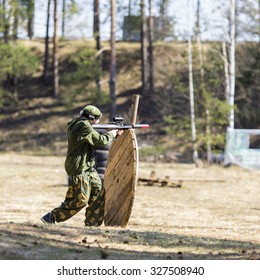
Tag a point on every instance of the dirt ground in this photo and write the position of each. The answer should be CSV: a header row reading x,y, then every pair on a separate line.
x,y
214,215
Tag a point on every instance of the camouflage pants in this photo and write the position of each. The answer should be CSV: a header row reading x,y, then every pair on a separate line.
x,y
84,190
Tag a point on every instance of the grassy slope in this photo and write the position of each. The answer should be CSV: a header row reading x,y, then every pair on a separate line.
x,y
37,124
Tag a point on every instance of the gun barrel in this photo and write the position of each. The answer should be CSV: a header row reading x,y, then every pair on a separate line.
x,y
140,126
119,126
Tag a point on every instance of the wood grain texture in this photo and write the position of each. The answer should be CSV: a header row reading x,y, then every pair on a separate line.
x,y
120,179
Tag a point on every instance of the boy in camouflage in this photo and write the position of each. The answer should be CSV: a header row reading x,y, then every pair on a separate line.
x,y
85,187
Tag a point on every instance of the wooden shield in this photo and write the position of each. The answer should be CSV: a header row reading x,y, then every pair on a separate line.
x,y
120,179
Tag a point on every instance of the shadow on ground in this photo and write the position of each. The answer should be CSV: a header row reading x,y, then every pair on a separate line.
x,y
31,241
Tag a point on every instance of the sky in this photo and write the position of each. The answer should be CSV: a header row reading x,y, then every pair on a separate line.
x,y
214,23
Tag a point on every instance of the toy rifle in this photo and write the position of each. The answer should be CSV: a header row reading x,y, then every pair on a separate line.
x,y
119,124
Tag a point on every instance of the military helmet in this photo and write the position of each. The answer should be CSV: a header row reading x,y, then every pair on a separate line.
x,y
91,112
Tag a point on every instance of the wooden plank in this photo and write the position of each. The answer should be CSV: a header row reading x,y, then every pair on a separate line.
x,y
124,210
118,187
134,108
118,166
116,180
116,159
119,207
114,154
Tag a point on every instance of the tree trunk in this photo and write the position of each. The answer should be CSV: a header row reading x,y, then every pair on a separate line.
x,y
96,25
129,7
191,88
5,23
55,53
226,70
63,18
163,9
30,12
15,15
232,63
151,58
259,21
197,32
15,12
112,82
96,31
202,84
143,48
46,53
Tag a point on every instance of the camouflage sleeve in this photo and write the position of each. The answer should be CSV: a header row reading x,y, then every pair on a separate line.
x,y
94,138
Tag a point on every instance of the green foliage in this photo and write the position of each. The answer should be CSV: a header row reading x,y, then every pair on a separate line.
x,y
83,67
180,128
1,97
72,8
219,111
80,76
26,9
177,126
16,60
154,151
7,98
208,96
248,86
169,107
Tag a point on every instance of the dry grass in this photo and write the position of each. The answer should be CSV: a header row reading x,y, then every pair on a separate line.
x,y
201,220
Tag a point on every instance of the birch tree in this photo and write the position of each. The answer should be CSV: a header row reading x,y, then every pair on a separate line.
x,y
191,88
224,56
202,87
232,63
228,57
63,18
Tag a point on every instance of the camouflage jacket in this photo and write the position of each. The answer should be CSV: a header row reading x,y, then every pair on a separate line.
x,y
82,140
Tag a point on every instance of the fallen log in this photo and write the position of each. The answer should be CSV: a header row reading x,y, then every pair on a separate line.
x,y
165,182
177,183
162,183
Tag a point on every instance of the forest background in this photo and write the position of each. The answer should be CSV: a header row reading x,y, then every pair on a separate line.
x,y
177,55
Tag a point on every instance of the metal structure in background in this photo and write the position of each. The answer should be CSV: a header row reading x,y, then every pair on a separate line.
x,y
243,148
